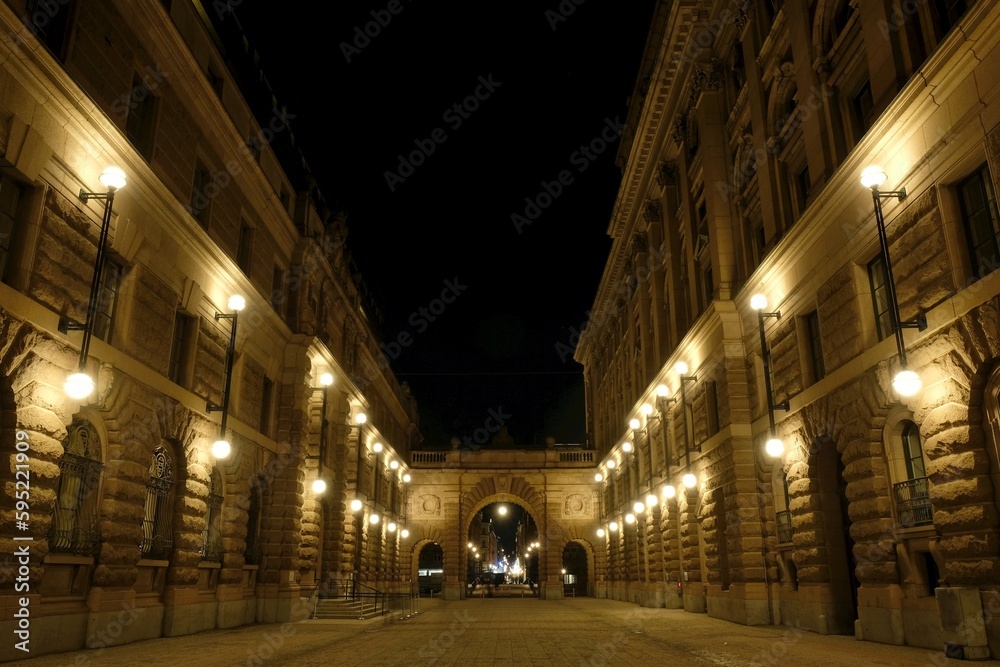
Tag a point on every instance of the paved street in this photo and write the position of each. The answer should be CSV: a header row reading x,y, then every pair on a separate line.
x,y
518,632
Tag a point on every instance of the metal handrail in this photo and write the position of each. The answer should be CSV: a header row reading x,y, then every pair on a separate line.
x,y
913,502
382,602
785,530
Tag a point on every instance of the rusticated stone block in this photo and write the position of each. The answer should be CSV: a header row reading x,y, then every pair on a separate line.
x,y
971,518
973,573
959,466
973,545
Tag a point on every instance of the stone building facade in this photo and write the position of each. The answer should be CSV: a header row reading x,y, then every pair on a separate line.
x,y
136,530
751,123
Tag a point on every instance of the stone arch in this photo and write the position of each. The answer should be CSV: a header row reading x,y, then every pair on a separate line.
x,y
824,17
596,557
419,538
783,92
950,412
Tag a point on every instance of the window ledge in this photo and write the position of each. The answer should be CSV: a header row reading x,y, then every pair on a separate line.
x,y
67,559
209,565
149,562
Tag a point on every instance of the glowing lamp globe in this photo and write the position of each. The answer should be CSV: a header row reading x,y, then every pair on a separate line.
x,y
319,486
377,447
391,527
626,447
906,383
611,464
634,424
774,447
638,508
237,303
646,409
651,501
598,477
502,510
112,178
600,532
407,478
613,526
394,465
669,491
630,518
689,480
221,449
873,177
356,505
360,418
758,302
79,386
373,519
404,533
662,390
326,379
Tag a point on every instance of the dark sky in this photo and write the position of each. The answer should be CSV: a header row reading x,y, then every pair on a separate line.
x,y
544,93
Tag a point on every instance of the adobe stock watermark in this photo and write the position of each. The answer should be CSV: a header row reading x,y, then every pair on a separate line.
x,y
435,648
581,159
562,13
363,34
420,320
454,116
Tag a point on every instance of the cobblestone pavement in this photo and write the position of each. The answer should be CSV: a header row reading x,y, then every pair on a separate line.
x,y
472,633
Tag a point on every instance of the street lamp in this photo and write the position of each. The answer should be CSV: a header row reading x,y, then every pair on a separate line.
x,y
221,447
905,382
774,446
80,385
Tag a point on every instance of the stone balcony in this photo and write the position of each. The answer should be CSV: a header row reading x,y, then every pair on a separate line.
x,y
517,459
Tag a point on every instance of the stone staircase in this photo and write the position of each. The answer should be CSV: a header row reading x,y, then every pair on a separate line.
x,y
339,608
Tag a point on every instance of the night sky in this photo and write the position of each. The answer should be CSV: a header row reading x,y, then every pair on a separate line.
x,y
501,296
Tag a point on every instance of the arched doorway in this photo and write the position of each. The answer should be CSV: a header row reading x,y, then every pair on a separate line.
x,y
578,570
429,568
840,546
504,549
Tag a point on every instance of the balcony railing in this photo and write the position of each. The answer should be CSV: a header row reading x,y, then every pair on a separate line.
x,y
785,531
913,502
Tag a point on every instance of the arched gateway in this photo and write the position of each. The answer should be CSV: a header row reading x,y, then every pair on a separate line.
x,y
557,494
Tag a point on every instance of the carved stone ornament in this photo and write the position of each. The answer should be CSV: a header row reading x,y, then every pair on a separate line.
x,y
577,505
680,130
652,213
742,15
503,483
428,505
667,173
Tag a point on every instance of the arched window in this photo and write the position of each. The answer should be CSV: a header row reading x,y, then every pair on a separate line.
x,y
74,528
911,488
157,538
251,555
211,538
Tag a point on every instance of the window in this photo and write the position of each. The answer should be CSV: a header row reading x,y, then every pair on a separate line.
x,y
253,145
199,197
709,283
712,407
266,396
802,184
911,493
979,214
107,300
251,555
885,323
945,14
140,124
215,80
10,198
759,241
181,345
211,538
277,295
50,22
286,199
818,367
912,450
244,250
157,539
863,110
74,528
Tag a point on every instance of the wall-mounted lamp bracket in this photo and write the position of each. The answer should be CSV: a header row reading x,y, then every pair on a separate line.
x,y
66,325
